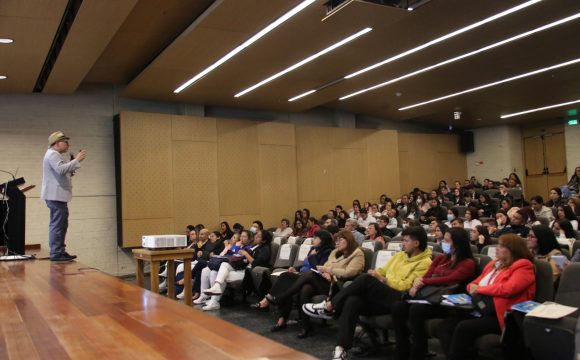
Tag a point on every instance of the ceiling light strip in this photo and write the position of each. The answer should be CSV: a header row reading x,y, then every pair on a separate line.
x,y
245,44
521,76
540,109
305,61
301,95
444,37
460,57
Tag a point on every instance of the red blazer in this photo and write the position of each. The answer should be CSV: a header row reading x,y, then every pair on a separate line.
x,y
511,286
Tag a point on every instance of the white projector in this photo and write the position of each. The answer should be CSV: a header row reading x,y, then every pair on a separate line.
x,y
163,241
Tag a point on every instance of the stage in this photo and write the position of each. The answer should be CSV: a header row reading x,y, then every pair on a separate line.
x,y
63,311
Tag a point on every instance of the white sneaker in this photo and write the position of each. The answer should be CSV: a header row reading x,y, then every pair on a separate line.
x,y
181,295
202,299
163,285
211,305
164,273
216,289
317,310
339,354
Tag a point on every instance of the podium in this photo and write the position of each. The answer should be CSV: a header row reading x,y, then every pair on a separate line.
x,y
13,213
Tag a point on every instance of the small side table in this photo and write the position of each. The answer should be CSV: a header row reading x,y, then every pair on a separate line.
x,y
155,257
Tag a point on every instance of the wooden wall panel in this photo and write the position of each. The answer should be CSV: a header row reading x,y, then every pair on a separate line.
x,y
238,170
349,138
134,229
195,183
193,128
146,164
319,208
383,163
314,163
278,182
350,174
276,134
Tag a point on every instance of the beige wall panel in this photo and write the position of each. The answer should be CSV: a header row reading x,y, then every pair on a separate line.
x,y
383,163
278,183
195,184
193,128
350,175
146,165
245,220
349,138
319,208
451,167
134,229
238,175
404,172
270,133
314,159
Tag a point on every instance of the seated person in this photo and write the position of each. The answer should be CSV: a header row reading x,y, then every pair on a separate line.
x,y
374,234
393,219
479,237
457,266
486,208
555,198
543,245
365,219
384,223
491,225
375,292
503,193
284,230
351,225
440,231
307,283
312,227
225,231
564,230
452,214
471,218
435,212
299,228
502,219
565,212
518,225
457,223
508,280
540,210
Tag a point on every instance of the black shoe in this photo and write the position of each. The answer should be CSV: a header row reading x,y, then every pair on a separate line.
x,y
304,332
271,299
61,258
69,255
278,327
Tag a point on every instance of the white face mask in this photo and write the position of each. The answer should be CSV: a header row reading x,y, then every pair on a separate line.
x,y
450,217
405,226
419,201
253,229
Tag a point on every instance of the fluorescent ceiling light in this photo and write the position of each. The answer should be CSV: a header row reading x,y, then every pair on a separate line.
x,y
521,76
244,45
2,77
301,95
460,57
445,37
6,41
305,61
540,109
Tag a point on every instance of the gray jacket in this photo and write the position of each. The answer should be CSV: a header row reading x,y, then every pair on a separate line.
x,y
56,177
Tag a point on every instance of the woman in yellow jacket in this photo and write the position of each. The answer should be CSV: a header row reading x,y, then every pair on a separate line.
x,y
374,293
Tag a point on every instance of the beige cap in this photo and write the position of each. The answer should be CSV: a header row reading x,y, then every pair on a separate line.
x,y
56,137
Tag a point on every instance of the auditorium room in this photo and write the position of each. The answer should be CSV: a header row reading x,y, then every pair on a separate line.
x,y
290,179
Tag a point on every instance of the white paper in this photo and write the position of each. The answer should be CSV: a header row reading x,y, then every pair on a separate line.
x,y
550,310
278,272
368,245
307,241
285,252
395,246
410,301
569,243
292,240
304,249
559,260
278,240
383,257
491,252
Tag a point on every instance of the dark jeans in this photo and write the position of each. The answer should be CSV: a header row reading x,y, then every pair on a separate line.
x,y
366,295
409,320
305,285
57,227
457,334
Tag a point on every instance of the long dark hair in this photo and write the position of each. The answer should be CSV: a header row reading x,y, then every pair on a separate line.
x,y
461,244
568,213
566,225
326,240
482,230
228,233
546,239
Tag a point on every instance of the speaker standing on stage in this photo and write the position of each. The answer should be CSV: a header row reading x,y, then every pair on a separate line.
x,y
57,192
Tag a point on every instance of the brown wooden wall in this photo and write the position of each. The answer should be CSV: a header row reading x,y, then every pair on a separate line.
x,y
180,170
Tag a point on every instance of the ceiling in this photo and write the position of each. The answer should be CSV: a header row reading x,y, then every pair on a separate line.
x,y
149,48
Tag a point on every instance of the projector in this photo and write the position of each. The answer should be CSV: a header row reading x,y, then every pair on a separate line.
x,y
163,241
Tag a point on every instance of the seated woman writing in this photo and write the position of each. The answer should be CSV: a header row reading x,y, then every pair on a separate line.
x,y
456,267
375,293
508,280
299,281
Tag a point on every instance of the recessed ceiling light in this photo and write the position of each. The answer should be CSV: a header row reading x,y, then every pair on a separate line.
x,y
2,77
245,44
540,109
485,86
443,38
6,41
466,55
305,61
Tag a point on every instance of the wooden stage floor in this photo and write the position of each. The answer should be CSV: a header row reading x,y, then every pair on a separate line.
x,y
69,311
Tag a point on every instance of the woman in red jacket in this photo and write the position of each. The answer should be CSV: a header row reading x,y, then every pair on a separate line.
x,y
456,266
508,280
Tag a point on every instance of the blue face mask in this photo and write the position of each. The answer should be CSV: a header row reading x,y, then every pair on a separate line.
x,y
446,247
450,217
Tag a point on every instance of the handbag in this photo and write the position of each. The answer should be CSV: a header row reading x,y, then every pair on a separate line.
x,y
215,262
484,304
434,294
238,262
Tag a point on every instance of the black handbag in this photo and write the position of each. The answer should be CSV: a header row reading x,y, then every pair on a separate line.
x,y
434,294
238,262
484,304
215,262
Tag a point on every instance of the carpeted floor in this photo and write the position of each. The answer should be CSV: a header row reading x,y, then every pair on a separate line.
x,y
320,344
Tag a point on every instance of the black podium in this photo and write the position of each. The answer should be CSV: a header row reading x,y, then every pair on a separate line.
x,y
13,215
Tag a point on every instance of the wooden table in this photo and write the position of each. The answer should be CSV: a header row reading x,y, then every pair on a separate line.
x,y
155,257
70,311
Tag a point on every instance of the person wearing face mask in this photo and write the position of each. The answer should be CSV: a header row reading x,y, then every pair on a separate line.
x,y
256,226
452,214
457,266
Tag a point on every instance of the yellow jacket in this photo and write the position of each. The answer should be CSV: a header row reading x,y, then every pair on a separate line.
x,y
402,270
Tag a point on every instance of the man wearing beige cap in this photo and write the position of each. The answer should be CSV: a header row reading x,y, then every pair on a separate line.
x,y
57,192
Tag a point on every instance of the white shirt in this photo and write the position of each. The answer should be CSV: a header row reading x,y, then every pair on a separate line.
x,y
471,224
365,222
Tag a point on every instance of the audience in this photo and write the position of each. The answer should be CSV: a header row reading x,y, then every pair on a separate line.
x,y
312,227
471,218
374,234
480,237
299,228
284,230
543,245
555,198
565,212
540,210
365,219
351,225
